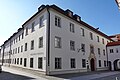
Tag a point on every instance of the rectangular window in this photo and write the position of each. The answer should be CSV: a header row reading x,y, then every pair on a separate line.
x,y
72,28
83,63
73,65
17,60
33,27
31,62
103,41
72,45
41,21
91,36
40,42
18,49
82,32
25,46
116,50
16,39
83,47
104,63
57,42
98,51
40,62
99,63
103,52
57,21
91,49
32,45
111,51
19,37
20,61
21,48
58,63
98,40
25,62
13,51
26,33
22,35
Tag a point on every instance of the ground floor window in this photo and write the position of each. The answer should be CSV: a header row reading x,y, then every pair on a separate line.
x,y
25,62
83,63
104,63
58,63
17,60
40,60
20,61
31,62
73,64
99,63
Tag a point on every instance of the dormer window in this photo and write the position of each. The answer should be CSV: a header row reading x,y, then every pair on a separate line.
x,y
78,18
69,13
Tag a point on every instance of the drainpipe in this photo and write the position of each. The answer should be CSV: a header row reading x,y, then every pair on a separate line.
x,y
48,45
107,56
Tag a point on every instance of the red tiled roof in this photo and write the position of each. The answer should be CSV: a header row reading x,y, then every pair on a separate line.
x,y
113,43
111,36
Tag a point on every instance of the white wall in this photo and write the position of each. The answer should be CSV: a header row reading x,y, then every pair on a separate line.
x,y
37,52
65,53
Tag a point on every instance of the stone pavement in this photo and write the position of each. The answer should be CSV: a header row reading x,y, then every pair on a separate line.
x,y
29,73
74,76
95,76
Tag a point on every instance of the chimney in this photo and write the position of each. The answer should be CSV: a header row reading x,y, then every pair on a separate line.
x,y
78,18
41,7
69,13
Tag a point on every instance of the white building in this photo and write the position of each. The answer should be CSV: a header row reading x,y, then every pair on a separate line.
x,y
54,41
113,49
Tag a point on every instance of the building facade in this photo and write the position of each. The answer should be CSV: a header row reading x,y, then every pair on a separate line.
x,y
56,41
113,49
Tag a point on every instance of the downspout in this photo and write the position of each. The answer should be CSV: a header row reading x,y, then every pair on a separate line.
x,y
107,56
48,46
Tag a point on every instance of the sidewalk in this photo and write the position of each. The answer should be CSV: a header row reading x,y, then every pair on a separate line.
x,y
29,73
73,76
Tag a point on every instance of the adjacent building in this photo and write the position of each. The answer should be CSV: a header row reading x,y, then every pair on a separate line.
x,y
113,49
56,41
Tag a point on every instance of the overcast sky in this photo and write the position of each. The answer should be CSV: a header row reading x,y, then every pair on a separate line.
x,y
97,13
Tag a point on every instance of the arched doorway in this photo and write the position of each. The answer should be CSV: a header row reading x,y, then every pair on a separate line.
x,y
92,64
115,64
